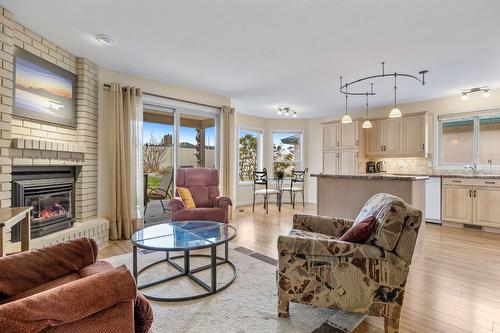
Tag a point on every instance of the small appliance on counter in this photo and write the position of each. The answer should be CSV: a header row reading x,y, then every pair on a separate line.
x,y
370,167
381,166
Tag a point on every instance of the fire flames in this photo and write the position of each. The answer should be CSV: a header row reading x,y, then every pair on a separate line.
x,y
55,210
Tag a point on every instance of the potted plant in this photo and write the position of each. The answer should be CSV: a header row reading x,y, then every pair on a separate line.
x,y
280,174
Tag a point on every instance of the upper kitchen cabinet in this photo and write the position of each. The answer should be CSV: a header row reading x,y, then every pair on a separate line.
x,y
406,136
416,135
331,136
340,136
349,135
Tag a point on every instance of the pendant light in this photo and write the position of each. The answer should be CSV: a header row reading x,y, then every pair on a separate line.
x,y
367,123
346,119
395,112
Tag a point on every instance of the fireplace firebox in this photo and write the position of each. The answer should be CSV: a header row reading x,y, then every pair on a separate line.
x,y
50,191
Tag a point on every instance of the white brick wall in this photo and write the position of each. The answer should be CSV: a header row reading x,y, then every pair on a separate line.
x,y
48,144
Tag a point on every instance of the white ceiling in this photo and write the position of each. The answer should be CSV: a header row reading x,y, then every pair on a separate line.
x,y
264,53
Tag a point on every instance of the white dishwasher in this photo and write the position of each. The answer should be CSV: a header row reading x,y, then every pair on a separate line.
x,y
433,200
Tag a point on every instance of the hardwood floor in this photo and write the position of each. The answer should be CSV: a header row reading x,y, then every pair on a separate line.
x,y
454,282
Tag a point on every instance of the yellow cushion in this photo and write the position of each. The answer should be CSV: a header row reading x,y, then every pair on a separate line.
x,y
186,196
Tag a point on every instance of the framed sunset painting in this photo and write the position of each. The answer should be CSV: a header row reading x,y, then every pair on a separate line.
x,y
43,91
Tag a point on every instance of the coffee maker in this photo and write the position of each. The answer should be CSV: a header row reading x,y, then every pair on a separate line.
x,y
370,167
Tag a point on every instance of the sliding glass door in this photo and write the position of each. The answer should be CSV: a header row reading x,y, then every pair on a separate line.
x,y
174,136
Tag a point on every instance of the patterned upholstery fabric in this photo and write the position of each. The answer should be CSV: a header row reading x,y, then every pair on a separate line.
x,y
389,212
316,268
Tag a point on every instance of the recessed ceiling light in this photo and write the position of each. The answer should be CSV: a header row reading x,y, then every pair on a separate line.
x,y
105,39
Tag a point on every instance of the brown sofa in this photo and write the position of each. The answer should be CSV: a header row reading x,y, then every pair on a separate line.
x,y
63,288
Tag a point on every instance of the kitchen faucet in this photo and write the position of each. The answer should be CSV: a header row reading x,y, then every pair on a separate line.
x,y
473,167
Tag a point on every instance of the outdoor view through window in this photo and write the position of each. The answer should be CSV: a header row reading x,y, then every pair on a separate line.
x,y
287,152
248,154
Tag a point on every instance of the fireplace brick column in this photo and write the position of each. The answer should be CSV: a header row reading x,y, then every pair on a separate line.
x,y
86,134
6,70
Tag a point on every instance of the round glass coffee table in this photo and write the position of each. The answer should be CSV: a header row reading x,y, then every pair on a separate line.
x,y
185,236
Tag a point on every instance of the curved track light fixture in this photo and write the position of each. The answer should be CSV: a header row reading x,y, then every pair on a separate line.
x,y
395,112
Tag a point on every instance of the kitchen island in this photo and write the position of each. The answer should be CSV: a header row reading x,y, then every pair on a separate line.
x,y
345,195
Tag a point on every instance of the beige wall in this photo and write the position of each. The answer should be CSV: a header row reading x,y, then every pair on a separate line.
x,y
150,86
267,126
438,106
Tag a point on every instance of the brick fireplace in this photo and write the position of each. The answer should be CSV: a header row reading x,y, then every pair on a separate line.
x,y
27,143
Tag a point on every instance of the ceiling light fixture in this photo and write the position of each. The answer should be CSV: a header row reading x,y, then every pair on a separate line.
x,y
287,111
105,39
346,119
484,90
395,112
367,123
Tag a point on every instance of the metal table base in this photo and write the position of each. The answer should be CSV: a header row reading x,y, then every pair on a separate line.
x,y
187,271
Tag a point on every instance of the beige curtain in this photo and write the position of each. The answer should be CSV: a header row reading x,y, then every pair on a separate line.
x,y
227,144
124,109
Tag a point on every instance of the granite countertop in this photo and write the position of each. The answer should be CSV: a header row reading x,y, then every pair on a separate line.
x,y
454,175
373,176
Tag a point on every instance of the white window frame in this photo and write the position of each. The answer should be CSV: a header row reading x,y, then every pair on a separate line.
x,y
260,153
291,131
475,117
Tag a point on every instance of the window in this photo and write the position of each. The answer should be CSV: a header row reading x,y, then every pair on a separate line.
x,y
470,139
287,151
249,154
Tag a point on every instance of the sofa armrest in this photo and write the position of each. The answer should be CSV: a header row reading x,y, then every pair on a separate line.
x,y
69,302
26,270
222,202
322,224
176,204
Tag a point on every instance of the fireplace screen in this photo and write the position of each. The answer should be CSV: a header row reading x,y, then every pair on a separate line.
x,y
50,207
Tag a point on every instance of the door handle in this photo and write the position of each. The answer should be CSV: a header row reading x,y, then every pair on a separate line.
x,y
470,193
475,192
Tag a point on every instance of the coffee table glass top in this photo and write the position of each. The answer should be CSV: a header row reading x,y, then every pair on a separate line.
x,y
183,235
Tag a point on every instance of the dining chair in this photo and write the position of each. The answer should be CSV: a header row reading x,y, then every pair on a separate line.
x,y
260,179
297,184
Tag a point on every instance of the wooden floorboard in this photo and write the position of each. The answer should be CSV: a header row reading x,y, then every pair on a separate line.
x,y
454,282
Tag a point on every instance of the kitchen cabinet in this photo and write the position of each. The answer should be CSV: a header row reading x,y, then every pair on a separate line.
x,y
392,131
330,162
471,201
349,135
340,162
457,204
348,162
406,136
374,138
416,134
331,136
341,148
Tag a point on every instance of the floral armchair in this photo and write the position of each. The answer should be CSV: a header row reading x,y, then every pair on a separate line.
x,y
316,268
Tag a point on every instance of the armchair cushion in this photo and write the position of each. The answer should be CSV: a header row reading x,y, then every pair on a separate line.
x,y
27,270
69,302
390,212
186,196
200,214
360,232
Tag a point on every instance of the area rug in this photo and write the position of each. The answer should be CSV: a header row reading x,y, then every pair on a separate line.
x,y
248,305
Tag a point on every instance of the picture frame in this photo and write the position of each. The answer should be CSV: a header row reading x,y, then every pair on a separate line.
x,y
42,90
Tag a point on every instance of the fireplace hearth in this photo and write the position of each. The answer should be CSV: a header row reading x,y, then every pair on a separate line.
x,y
50,191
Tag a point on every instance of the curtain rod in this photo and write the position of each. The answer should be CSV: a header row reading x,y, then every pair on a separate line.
x,y
107,85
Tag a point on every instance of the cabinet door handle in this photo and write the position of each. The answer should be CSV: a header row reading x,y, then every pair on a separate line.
x,y
423,146
470,193
456,181
487,182
475,192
